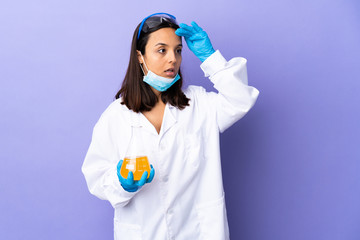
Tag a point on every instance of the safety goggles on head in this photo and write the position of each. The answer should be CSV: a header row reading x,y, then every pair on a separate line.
x,y
154,20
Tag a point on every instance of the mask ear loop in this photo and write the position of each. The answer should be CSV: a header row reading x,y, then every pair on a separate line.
x,y
142,69
144,63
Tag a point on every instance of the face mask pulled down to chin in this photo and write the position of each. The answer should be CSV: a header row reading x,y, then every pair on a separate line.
x,y
158,82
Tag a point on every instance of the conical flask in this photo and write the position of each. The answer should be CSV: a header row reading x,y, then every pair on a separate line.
x,y
135,159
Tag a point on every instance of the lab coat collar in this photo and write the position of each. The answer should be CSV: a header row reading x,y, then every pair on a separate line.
x,y
169,120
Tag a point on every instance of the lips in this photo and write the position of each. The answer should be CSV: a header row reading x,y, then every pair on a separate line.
x,y
170,72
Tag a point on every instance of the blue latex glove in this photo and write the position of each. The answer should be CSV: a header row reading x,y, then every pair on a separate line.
x,y
196,39
129,184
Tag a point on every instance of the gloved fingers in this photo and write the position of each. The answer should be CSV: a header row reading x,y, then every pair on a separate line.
x,y
130,189
196,27
187,27
128,184
121,179
130,178
142,180
183,32
188,42
198,36
152,174
188,30
118,167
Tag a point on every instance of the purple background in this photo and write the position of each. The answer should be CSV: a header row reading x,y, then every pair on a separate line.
x,y
291,166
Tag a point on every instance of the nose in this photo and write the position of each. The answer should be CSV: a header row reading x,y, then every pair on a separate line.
x,y
171,56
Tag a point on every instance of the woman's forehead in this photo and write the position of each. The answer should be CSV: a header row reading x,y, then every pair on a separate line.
x,y
165,36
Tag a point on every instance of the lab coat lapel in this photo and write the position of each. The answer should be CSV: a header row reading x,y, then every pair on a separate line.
x,y
146,124
169,119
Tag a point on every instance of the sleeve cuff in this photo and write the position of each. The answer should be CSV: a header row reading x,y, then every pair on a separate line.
x,y
213,64
122,191
115,193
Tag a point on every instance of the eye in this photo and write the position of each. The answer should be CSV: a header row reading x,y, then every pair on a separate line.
x,y
179,50
161,50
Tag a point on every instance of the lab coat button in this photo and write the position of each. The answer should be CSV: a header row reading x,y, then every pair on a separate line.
x,y
162,147
170,212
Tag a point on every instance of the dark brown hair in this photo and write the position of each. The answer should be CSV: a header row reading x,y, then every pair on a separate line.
x,y
138,95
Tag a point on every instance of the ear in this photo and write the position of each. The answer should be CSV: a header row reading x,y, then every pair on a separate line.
x,y
138,53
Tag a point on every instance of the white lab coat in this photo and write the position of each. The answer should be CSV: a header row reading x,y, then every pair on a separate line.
x,y
185,200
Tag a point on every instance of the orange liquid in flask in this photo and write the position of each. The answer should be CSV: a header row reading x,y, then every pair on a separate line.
x,y
137,165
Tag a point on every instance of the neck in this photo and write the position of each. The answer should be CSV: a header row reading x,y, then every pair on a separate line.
x,y
157,92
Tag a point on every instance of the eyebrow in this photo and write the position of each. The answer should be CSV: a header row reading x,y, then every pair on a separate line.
x,y
164,44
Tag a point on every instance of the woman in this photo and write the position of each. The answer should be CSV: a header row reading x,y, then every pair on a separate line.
x,y
180,131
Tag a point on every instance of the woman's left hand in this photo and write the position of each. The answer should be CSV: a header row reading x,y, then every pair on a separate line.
x,y
197,40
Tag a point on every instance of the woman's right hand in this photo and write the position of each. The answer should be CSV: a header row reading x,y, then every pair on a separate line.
x,y
129,184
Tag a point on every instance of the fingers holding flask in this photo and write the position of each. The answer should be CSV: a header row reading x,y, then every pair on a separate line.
x,y
131,185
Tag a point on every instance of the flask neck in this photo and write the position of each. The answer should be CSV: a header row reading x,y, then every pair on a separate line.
x,y
136,147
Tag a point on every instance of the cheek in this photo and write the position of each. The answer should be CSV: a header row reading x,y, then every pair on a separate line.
x,y
156,65
153,62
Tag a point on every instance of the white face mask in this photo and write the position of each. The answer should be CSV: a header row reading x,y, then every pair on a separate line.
x,y
158,82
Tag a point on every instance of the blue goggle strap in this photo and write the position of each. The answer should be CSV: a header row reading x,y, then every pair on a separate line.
x,y
143,21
